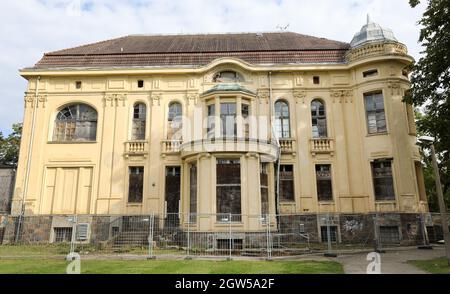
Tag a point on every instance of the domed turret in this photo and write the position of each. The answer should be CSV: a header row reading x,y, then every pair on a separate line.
x,y
372,32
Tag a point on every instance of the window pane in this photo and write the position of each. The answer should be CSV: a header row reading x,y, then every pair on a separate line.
x,y
75,123
382,180
193,192
375,114
286,183
228,188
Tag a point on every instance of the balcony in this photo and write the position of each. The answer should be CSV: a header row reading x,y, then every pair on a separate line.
x,y
136,147
322,146
170,146
267,150
287,145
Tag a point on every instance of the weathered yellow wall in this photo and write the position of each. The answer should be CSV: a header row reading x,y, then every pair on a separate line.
x,y
92,177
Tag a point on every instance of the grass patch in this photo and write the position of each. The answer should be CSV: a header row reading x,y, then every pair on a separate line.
x,y
53,266
434,266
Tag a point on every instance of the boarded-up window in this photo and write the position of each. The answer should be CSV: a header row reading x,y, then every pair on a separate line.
x,y
382,180
287,182
77,122
136,184
228,189
375,115
193,192
323,181
139,121
318,119
175,122
420,181
282,124
389,235
264,182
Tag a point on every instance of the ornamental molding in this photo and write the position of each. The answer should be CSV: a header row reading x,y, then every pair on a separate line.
x,y
376,49
30,100
395,87
299,96
342,95
156,99
114,100
192,98
263,96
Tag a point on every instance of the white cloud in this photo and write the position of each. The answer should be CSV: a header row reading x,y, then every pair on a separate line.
x,y
28,28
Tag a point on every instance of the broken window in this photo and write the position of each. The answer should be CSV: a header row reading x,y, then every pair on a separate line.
x,y
370,73
175,124
77,122
323,181
228,119
287,183
62,235
139,121
382,179
228,190
136,184
193,193
227,76
282,124
319,119
264,182
211,123
375,115
324,233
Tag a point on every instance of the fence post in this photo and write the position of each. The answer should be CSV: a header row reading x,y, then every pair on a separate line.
x,y
269,243
329,252
150,236
378,242
230,237
188,223
74,221
423,229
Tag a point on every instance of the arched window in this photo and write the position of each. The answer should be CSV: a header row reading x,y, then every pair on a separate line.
x,y
228,76
76,122
319,119
282,125
174,121
139,121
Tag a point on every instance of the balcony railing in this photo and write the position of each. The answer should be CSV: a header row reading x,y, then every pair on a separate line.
x,y
170,146
287,145
322,145
136,147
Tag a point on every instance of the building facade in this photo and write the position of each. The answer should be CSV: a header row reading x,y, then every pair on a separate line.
x,y
228,124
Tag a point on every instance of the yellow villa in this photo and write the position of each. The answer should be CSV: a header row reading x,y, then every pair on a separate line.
x,y
229,125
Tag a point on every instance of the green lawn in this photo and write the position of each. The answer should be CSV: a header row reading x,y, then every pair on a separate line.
x,y
50,266
434,266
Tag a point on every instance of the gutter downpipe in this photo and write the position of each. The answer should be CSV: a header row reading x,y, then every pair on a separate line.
x,y
274,136
30,152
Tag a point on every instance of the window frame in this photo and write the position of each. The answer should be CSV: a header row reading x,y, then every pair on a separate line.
x,y
135,120
282,119
220,216
381,198
56,121
317,116
376,111
319,197
129,174
292,180
171,131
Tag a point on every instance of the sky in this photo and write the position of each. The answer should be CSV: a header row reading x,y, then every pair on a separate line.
x,y
29,28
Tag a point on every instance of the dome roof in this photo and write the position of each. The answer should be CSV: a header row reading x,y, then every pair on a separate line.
x,y
372,32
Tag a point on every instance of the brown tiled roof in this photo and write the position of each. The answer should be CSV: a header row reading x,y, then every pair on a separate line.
x,y
172,50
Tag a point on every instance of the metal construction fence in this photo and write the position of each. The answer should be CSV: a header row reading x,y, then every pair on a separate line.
x,y
215,235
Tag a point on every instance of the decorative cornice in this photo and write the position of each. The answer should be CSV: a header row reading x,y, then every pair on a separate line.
x,y
376,49
342,95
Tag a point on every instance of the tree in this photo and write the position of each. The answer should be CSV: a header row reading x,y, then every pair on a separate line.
x,y
9,146
430,81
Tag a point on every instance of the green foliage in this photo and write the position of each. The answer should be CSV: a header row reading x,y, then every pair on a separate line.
x,y
434,266
430,81
9,146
